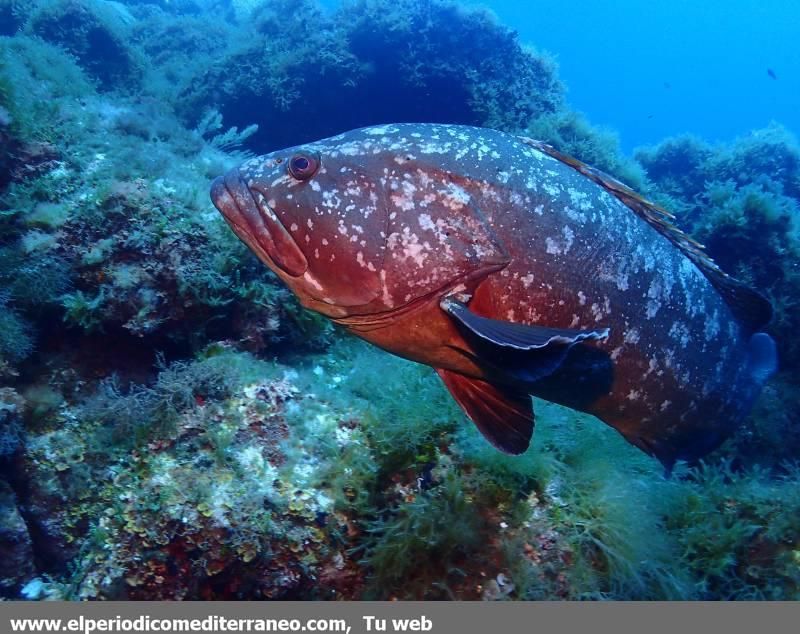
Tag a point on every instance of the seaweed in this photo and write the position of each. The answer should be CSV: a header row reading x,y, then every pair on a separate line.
x,y
16,340
97,34
428,535
571,133
302,74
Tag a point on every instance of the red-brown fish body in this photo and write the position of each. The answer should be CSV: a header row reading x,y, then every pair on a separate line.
x,y
513,271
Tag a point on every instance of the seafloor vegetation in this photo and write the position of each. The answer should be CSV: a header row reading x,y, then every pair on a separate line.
x,y
172,423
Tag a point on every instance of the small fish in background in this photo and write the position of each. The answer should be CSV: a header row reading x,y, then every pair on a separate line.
x,y
667,86
513,270
772,74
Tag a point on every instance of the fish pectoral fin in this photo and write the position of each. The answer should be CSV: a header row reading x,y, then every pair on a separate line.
x,y
520,336
503,415
528,353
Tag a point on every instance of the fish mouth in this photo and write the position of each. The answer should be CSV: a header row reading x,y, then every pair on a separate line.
x,y
256,224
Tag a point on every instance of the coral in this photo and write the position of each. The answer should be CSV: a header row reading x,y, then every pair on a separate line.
x,y
591,525
227,141
34,79
33,277
770,437
177,44
293,76
130,415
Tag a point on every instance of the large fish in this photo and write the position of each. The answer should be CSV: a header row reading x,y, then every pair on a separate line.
x,y
513,270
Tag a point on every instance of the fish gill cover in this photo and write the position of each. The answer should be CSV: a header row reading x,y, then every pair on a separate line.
x,y
173,424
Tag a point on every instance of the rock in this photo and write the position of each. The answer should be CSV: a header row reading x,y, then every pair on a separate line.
x,y
16,549
96,33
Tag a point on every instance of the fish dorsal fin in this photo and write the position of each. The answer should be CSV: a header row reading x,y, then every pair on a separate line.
x,y
748,306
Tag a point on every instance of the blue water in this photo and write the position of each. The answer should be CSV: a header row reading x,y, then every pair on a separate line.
x,y
655,69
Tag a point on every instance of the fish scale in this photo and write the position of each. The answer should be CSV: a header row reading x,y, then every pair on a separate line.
x,y
513,270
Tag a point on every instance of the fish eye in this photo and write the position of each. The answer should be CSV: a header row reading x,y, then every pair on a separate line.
x,y
303,166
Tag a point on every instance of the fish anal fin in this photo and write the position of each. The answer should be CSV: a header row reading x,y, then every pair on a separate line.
x,y
748,306
503,415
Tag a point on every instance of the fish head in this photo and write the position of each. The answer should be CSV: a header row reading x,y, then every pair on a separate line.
x,y
320,238
359,223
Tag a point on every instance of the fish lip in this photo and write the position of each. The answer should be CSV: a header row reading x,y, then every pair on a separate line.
x,y
257,224
234,200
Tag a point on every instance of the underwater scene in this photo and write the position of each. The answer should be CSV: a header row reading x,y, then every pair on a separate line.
x,y
286,286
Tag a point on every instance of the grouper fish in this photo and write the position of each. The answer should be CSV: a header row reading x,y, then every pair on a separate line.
x,y
513,270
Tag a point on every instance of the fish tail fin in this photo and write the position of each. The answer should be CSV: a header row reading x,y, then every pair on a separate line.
x,y
762,357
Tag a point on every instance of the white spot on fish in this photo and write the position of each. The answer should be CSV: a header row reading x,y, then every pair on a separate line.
x,y
386,297
569,237
405,200
380,130
712,326
580,199
454,196
551,190
631,336
312,280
